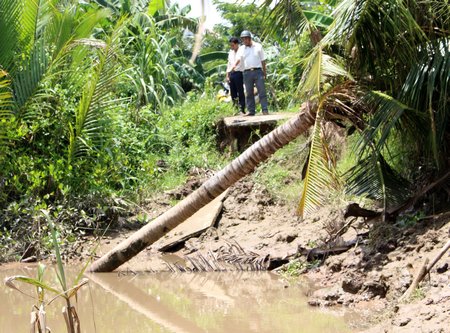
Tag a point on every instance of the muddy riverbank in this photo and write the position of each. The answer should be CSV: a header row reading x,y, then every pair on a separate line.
x,y
371,275
368,277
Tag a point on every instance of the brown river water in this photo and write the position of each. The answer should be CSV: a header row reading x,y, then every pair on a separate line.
x,y
236,302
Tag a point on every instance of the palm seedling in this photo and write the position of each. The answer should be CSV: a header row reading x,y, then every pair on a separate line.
x,y
38,315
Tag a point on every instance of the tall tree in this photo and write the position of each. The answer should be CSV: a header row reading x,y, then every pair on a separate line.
x,y
241,17
366,93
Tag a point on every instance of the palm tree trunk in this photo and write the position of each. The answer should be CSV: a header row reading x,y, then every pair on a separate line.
x,y
238,168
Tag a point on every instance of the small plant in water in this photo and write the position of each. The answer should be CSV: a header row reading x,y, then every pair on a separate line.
x,y
294,268
297,267
38,316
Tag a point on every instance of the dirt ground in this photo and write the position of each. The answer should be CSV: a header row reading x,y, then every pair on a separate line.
x,y
370,276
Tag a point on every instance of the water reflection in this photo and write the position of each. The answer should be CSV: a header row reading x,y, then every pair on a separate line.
x,y
207,302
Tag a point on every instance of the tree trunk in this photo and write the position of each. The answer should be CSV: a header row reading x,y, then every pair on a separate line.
x,y
238,168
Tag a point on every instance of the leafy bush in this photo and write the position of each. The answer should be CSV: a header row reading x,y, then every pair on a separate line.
x,y
187,134
143,152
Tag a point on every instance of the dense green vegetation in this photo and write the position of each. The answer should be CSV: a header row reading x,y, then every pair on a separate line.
x,y
100,105
88,122
380,69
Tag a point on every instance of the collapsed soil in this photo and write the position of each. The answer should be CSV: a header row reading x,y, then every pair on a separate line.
x,y
369,277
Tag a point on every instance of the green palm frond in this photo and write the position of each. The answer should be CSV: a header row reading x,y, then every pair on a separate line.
x,y
22,23
388,114
319,68
293,17
26,81
10,13
320,175
441,10
427,88
69,23
377,34
35,17
88,132
43,30
433,16
5,104
5,93
372,177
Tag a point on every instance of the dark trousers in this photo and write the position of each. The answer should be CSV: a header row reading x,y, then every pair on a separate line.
x,y
237,89
254,78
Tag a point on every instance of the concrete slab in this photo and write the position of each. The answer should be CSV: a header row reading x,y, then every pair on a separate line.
x,y
193,226
258,119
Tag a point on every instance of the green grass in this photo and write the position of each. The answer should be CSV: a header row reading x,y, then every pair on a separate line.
x,y
186,138
418,294
281,174
296,267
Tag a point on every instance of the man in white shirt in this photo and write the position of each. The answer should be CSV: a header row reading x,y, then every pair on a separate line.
x,y
253,61
234,76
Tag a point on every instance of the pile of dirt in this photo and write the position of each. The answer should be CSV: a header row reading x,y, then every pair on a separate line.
x,y
375,267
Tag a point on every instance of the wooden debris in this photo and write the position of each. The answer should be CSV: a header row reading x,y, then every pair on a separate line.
x,y
424,270
323,252
193,226
243,121
355,210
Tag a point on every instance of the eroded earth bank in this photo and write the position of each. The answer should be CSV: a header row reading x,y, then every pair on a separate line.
x,y
360,263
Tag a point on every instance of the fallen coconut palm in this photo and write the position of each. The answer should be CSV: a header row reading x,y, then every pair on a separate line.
x,y
238,168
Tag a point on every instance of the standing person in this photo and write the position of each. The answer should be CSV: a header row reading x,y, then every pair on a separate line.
x,y
235,77
252,59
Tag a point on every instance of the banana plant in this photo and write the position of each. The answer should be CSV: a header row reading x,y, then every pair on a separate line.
x,y
153,74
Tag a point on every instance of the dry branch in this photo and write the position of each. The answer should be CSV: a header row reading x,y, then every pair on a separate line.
x,y
419,194
355,210
424,270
